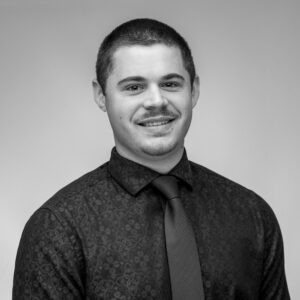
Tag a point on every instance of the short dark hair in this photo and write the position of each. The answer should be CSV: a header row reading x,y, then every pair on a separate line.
x,y
140,32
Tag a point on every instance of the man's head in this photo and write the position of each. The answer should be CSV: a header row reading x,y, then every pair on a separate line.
x,y
144,32
148,88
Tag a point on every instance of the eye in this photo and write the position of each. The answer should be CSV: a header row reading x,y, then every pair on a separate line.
x,y
134,88
171,85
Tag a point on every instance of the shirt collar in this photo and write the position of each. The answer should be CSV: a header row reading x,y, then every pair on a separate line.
x,y
134,177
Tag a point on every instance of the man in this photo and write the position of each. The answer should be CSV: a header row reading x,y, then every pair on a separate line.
x,y
113,234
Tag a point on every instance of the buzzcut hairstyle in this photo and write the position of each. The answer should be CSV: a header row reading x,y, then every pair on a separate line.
x,y
145,32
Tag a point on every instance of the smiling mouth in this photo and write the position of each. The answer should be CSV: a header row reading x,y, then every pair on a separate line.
x,y
155,122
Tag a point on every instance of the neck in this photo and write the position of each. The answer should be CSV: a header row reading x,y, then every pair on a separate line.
x,y
161,164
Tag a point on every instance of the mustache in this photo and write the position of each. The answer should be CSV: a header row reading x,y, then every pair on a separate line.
x,y
159,112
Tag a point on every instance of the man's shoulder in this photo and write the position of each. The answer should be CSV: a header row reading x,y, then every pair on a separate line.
x,y
231,195
224,187
78,190
65,210
208,176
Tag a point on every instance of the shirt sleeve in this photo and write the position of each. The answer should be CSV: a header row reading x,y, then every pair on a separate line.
x,y
274,285
48,263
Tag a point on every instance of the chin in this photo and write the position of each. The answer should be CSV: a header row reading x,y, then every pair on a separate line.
x,y
160,149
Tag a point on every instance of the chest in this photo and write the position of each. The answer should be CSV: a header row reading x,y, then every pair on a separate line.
x,y
125,253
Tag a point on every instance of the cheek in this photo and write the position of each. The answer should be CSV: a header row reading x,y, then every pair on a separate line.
x,y
184,106
120,114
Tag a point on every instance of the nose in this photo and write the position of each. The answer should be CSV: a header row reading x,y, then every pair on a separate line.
x,y
154,98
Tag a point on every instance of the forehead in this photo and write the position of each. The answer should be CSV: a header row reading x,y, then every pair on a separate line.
x,y
154,60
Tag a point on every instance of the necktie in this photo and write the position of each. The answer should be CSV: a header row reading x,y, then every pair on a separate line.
x,y
184,264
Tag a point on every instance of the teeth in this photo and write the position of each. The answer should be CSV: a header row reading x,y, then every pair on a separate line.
x,y
150,124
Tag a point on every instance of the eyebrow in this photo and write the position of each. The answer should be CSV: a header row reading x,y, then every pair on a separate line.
x,y
132,78
173,76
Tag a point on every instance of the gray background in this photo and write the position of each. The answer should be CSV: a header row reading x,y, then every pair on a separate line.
x,y
245,125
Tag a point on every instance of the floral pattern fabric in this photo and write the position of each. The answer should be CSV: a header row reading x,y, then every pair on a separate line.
x,y
102,237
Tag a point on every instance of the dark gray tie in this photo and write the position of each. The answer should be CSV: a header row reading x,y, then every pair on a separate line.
x,y
183,259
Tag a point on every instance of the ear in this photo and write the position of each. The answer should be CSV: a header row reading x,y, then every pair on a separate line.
x,y
99,96
195,91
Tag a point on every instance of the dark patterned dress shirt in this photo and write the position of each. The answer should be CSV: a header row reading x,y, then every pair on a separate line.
x,y
102,237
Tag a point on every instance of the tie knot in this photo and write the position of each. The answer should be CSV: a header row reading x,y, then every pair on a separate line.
x,y
167,185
